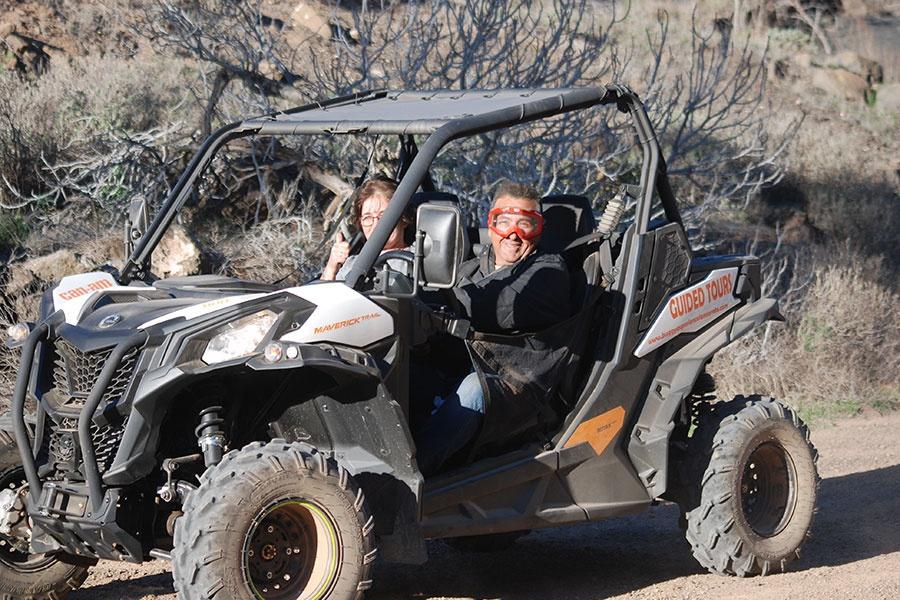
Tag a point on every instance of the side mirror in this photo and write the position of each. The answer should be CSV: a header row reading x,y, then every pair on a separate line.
x,y
441,244
136,222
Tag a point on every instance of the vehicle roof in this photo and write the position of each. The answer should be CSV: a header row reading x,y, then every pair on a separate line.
x,y
423,112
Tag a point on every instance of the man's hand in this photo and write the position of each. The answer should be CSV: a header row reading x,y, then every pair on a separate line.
x,y
338,256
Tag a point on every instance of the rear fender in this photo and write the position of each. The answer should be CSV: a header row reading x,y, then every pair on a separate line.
x,y
648,447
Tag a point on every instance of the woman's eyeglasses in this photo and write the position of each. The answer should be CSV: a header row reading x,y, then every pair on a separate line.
x,y
369,220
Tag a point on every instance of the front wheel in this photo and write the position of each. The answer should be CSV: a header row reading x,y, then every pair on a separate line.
x,y
277,522
750,504
25,575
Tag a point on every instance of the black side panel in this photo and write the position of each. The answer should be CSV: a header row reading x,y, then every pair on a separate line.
x,y
749,289
607,484
520,490
367,434
668,270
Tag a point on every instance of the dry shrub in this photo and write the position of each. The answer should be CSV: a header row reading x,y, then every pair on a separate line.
x,y
14,307
837,353
271,251
54,118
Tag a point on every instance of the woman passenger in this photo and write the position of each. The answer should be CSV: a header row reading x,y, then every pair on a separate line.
x,y
371,202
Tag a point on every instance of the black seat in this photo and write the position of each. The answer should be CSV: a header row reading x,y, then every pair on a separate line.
x,y
567,217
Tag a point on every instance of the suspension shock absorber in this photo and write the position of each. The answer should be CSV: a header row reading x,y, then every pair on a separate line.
x,y
613,212
210,436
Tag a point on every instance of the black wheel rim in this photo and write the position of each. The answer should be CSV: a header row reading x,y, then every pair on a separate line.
x,y
20,561
292,552
768,489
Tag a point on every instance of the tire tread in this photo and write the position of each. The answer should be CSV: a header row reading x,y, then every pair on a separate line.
x,y
708,522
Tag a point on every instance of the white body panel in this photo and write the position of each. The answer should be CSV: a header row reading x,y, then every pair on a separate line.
x,y
692,308
74,291
342,316
204,308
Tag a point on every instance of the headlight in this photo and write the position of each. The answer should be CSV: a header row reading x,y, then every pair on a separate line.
x,y
18,332
239,338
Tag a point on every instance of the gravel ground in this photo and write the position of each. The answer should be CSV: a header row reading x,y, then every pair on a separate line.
x,y
854,551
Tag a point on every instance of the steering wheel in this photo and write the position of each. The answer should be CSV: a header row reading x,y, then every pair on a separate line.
x,y
402,255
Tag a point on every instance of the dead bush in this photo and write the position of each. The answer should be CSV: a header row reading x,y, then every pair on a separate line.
x,y
54,129
838,351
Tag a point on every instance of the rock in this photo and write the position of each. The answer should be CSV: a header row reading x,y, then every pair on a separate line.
x,y
798,230
803,60
868,69
840,82
307,17
177,255
887,97
855,8
873,36
107,250
16,43
268,69
35,273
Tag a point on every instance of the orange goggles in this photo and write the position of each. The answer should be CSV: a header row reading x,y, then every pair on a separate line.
x,y
526,224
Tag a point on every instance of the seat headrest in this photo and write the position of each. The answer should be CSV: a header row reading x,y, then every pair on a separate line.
x,y
566,218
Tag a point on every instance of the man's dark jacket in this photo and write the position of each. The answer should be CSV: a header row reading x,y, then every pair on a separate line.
x,y
521,316
526,297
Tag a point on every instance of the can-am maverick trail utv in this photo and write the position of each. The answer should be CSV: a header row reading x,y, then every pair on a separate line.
x,y
260,438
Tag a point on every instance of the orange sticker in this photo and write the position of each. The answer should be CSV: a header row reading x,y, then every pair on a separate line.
x,y
599,431
345,323
88,288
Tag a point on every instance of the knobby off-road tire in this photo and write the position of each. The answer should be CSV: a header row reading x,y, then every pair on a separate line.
x,y
275,514
33,577
751,499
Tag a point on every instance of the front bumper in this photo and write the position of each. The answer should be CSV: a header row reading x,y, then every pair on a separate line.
x,y
64,520
79,518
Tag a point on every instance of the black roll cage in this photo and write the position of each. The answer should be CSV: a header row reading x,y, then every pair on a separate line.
x,y
440,131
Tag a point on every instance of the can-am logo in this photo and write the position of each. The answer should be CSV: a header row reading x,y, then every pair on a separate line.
x,y
88,288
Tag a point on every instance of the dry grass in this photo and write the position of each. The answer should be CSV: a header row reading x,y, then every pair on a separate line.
x,y
57,117
838,352
275,249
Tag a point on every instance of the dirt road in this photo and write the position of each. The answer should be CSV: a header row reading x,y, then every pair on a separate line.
x,y
854,552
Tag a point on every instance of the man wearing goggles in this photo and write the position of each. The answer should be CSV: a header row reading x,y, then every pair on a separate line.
x,y
512,288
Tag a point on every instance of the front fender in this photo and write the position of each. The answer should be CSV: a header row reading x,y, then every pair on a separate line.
x,y
673,382
157,389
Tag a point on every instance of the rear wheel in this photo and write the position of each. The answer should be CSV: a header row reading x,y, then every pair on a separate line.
x,y
751,499
24,575
277,521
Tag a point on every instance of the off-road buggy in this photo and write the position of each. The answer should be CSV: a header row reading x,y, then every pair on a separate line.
x,y
260,438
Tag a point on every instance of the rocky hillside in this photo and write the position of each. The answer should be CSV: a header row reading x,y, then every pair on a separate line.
x,y
101,100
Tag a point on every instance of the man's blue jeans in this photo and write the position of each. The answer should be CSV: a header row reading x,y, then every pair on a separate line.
x,y
453,424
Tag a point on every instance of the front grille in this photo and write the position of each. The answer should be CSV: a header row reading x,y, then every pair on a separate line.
x,y
106,440
65,453
75,372
63,444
